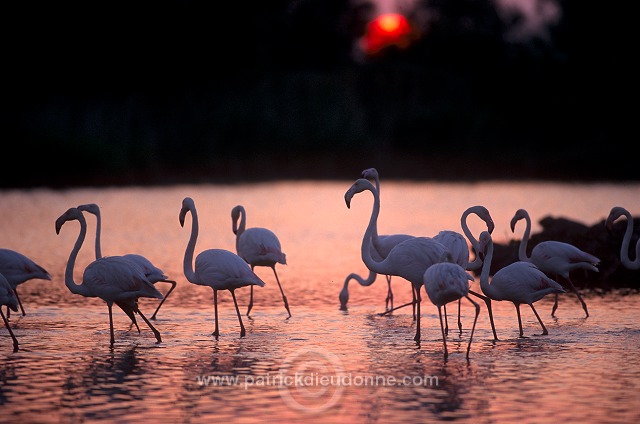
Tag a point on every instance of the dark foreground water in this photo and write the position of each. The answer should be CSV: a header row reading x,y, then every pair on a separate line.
x,y
322,364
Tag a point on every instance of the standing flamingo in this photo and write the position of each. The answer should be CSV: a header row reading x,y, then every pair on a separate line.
x,y
153,273
554,257
519,282
17,269
615,213
408,259
459,249
217,268
445,282
8,298
113,279
258,247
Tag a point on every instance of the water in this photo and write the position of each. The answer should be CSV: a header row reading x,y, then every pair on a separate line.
x,y
323,364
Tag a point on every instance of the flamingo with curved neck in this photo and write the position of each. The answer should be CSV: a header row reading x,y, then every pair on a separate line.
x,y
615,213
219,269
113,279
519,282
153,273
409,259
554,258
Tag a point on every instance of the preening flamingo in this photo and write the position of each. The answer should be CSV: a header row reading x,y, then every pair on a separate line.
x,y
554,258
615,213
113,279
408,259
519,282
8,298
258,247
17,269
153,273
219,269
445,282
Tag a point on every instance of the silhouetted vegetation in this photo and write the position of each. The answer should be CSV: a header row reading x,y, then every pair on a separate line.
x,y
184,92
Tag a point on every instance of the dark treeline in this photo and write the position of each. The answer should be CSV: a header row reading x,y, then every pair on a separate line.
x,y
182,93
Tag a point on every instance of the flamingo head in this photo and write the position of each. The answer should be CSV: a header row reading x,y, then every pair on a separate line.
x,y
370,174
520,214
358,187
187,205
69,215
616,212
344,298
235,215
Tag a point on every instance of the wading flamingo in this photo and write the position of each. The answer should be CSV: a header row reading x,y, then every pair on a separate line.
x,y
17,269
615,213
153,273
554,258
258,247
216,268
519,282
408,259
445,282
113,279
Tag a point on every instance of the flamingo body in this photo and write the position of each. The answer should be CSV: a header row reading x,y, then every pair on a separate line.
x,y
17,269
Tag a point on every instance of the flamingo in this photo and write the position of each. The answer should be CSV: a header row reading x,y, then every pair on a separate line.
x,y
519,282
459,248
153,273
113,279
445,282
408,259
258,247
217,268
382,244
554,257
343,296
8,298
17,269
615,213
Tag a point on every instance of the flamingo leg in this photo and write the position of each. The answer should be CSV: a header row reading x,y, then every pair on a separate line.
x,y
388,303
6,323
459,321
155,332
216,331
415,301
113,339
418,300
446,322
487,301
250,296
397,307
15,291
473,329
544,329
444,336
519,319
127,310
575,290
173,286
284,298
242,330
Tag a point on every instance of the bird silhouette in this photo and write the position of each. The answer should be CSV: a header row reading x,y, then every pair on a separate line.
x,y
444,283
554,258
382,244
113,279
8,298
615,213
219,269
17,269
258,247
457,244
153,273
343,296
408,259
519,282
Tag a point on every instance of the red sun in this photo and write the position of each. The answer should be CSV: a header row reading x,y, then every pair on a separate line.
x,y
389,29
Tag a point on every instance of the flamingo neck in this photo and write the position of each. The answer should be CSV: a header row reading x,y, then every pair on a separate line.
x,y
98,234
191,247
522,249
366,240
626,242
487,288
477,262
239,229
365,282
74,288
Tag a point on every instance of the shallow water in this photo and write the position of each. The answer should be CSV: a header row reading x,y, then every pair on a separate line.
x,y
322,364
